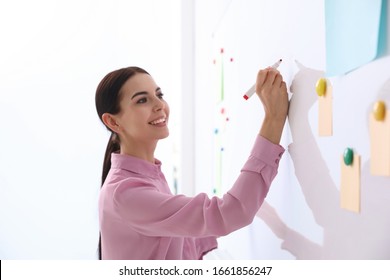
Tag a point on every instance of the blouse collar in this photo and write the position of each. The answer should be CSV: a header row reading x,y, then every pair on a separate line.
x,y
136,165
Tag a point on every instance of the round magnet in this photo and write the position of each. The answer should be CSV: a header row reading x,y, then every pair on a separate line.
x,y
321,87
348,156
379,110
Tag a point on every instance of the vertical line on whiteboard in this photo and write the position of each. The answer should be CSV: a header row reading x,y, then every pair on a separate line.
x,y
222,79
220,134
221,120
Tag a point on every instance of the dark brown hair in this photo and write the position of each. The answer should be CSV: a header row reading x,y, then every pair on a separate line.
x,y
107,100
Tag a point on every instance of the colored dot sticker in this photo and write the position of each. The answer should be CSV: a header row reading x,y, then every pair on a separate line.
x,y
348,156
321,87
379,110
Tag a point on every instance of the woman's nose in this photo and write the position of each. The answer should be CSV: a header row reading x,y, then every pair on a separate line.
x,y
159,104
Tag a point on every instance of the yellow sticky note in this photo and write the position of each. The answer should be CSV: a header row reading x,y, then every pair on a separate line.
x,y
380,145
325,112
350,185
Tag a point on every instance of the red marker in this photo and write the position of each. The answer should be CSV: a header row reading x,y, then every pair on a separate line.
x,y
252,90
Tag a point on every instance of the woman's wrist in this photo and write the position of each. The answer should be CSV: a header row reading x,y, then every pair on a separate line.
x,y
272,129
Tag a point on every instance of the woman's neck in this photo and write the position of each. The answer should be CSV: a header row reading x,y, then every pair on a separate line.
x,y
140,150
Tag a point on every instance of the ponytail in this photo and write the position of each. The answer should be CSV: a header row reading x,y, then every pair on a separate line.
x,y
112,146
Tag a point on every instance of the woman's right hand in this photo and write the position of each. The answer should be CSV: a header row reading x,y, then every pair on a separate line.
x,y
272,92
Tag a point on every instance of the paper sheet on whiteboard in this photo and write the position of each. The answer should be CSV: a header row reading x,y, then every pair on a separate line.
x,y
352,34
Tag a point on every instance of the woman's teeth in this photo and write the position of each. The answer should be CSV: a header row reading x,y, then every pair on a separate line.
x,y
158,121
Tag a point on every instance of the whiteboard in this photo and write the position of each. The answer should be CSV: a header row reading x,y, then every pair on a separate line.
x,y
302,217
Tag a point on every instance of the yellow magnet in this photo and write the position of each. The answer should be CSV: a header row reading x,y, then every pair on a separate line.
x,y
379,110
321,87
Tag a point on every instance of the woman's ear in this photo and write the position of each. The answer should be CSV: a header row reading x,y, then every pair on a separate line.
x,y
110,121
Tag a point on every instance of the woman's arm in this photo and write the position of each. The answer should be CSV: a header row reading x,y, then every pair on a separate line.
x,y
151,212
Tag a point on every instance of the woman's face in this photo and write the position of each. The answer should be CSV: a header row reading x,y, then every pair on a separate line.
x,y
143,111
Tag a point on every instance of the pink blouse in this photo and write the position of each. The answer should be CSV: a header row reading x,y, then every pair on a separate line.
x,y
141,219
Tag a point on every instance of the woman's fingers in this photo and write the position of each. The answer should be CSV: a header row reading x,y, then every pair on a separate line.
x,y
261,77
267,78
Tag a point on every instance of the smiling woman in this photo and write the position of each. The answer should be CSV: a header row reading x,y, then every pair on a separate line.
x,y
139,216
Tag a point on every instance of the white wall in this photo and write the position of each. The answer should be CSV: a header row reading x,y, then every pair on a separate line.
x,y
53,55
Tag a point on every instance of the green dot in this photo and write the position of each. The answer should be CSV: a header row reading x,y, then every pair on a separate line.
x,y
348,156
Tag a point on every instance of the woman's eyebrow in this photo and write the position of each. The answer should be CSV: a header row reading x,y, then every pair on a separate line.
x,y
139,93
144,92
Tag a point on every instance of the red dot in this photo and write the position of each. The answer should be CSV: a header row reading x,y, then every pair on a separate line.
x,y
223,111
222,50
231,59
214,61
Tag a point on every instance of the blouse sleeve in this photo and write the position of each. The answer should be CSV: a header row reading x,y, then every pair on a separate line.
x,y
151,212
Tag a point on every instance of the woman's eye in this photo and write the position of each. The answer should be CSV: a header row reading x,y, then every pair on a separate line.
x,y
142,100
160,95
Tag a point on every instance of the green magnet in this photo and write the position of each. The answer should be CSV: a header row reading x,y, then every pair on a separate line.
x,y
348,156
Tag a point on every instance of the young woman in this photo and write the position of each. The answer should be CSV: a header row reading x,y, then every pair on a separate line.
x,y
139,216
